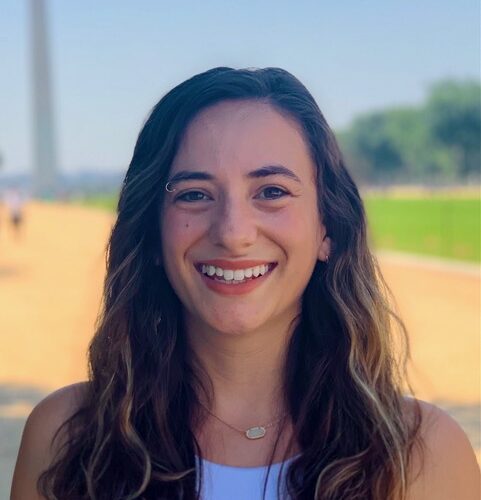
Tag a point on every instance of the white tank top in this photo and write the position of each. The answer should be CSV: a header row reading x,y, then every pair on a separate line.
x,y
221,482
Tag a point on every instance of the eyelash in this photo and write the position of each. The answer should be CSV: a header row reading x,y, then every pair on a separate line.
x,y
181,197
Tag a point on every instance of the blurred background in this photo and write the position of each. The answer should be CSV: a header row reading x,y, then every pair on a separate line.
x,y
398,82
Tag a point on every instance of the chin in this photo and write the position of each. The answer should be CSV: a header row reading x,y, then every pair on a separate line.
x,y
234,323
235,328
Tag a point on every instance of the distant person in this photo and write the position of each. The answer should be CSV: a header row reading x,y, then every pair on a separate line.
x,y
14,202
245,347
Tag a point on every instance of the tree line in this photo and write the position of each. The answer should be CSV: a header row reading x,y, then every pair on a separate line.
x,y
435,142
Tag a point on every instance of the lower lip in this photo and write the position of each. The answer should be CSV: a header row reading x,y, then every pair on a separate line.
x,y
233,289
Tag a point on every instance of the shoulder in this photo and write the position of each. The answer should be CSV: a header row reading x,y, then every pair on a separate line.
x,y
37,449
47,417
445,467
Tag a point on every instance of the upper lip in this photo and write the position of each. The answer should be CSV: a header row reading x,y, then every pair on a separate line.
x,y
233,264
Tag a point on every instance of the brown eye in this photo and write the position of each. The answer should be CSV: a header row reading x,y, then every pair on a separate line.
x,y
191,196
273,193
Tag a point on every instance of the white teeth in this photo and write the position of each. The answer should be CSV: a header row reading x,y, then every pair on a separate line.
x,y
228,274
235,275
238,274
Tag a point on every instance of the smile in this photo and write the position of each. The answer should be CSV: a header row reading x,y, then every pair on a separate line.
x,y
234,281
235,275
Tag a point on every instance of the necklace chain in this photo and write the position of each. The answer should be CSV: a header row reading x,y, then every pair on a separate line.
x,y
246,432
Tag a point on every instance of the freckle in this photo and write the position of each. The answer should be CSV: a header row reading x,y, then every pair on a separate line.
x,y
187,225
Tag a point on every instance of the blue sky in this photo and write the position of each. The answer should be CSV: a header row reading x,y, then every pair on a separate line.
x,y
113,59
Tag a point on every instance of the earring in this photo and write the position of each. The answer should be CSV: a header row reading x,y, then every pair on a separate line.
x,y
326,259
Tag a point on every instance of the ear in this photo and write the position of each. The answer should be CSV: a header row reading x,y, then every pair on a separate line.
x,y
324,248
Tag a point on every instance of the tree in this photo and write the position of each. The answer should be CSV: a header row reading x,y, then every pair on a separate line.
x,y
437,141
454,115
369,145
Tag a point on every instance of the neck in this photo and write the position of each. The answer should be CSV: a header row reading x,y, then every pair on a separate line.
x,y
246,371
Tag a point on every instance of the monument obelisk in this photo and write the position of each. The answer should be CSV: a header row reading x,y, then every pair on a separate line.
x,y
45,174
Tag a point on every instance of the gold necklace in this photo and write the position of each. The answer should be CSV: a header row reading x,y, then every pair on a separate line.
x,y
256,432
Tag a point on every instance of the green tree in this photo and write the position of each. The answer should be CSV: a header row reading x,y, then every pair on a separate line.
x,y
422,158
370,149
454,115
437,141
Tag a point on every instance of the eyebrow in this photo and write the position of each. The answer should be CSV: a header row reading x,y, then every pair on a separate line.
x,y
266,171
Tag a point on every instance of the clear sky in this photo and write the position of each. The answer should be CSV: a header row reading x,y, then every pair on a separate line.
x,y
113,59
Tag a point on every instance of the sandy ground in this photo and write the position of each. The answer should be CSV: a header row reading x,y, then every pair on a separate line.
x,y
50,285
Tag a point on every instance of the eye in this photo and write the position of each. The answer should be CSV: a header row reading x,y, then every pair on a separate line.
x,y
273,193
191,196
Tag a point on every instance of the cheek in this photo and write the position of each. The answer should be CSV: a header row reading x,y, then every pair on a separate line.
x,y
176,239
296,230
179,233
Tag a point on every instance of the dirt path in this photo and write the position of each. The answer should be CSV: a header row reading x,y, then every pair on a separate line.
x,y
441,308
50,282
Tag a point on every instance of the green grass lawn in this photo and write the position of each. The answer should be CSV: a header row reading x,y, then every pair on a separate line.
x,y
442,226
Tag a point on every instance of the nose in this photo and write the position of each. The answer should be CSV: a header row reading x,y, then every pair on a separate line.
x,y
234,227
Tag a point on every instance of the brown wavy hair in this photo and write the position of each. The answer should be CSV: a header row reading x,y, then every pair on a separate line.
x,y
133,437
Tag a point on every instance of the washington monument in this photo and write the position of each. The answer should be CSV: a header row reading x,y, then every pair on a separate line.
x,y
45,174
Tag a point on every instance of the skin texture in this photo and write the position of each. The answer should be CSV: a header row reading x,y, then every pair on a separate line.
x,y
36,450
235,220
448,469
241,339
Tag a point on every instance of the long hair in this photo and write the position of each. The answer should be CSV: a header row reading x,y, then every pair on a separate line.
x,y
133,437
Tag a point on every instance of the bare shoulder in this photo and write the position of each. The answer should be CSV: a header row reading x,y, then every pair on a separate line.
x,y
446,468
36,448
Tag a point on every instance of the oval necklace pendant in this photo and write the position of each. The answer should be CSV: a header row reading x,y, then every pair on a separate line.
x,y
255,432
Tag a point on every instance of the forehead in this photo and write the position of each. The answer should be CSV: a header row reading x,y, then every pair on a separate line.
x,y
242,135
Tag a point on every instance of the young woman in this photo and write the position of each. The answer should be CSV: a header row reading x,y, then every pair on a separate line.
x,y
245,349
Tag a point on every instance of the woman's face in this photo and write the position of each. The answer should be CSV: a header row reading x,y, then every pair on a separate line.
x,y
244,205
